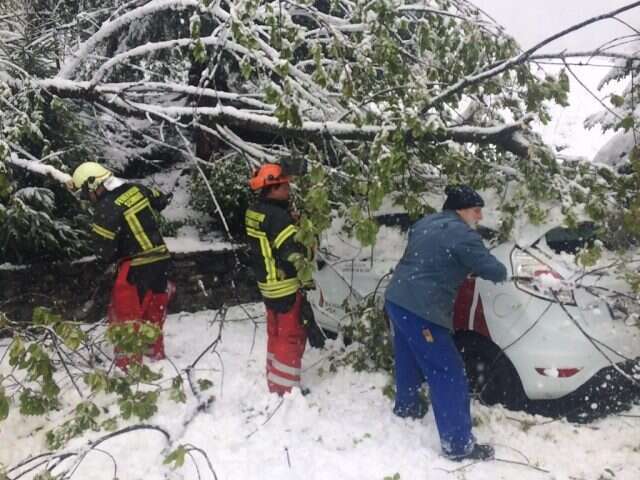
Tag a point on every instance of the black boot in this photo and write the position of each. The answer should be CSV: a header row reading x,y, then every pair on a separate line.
x,y
416,411
480,451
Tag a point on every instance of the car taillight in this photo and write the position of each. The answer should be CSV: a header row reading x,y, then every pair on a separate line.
x,y
535,277
558,372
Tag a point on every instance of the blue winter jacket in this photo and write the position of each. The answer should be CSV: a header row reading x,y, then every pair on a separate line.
x,y
441,252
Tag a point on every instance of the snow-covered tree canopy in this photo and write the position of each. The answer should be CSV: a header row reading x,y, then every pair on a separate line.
x,y
621,108
381,97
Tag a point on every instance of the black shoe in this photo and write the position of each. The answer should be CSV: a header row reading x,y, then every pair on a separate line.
x,y
480,451
416,412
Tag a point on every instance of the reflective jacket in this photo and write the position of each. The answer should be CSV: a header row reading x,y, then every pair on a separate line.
x,y
442,250
270,231
125,228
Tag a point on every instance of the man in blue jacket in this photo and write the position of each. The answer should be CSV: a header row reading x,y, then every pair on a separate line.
x,y
443,249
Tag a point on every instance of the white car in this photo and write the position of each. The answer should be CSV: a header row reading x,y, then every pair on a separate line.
x,y
555,339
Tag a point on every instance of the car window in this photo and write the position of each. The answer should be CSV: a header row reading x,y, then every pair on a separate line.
x,y
571,240
401,220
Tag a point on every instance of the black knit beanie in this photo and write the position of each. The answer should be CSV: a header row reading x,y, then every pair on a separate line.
x,y
460,197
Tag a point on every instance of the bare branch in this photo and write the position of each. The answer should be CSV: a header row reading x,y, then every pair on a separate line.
x,y
519,59
590,54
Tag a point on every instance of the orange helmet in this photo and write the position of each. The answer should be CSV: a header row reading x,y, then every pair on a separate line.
x,y
267,175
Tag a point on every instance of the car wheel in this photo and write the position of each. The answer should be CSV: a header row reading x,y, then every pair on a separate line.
x,y
491,375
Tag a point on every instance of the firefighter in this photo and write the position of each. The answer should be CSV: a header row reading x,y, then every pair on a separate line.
x,y
270,230
125,231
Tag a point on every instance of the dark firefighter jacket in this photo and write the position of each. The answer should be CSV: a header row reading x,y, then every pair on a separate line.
x,y
270,232
125,228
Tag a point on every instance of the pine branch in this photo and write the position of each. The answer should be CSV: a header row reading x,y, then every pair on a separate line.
x,y
69,69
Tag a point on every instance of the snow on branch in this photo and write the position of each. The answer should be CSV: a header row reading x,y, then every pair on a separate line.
x,y
108,95
70,67
502,135
586,54
153,47
39,168
520,58
160,88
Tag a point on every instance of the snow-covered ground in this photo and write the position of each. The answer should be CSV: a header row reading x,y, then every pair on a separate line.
x,y
343,430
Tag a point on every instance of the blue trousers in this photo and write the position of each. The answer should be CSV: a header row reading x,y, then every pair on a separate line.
x,y
424,350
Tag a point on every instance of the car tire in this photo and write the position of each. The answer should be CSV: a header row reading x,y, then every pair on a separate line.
x,y
492,377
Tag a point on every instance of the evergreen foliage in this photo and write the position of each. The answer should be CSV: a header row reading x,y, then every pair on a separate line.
x,y
229,179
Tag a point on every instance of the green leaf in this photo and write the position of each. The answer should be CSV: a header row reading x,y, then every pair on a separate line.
x,y
33,403
616,100
71,335
627,123
177,391
176,457
97,380
149,332
4,405
140,373
199,52
366,231
204,384
375,195
194,27
246,69
142,405
110,424
16,352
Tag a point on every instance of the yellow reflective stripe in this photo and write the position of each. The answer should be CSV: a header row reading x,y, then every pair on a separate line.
x,y
255,233
278,283
161,252
147,259
136,226
253,219
158,249
265,250
103,232
283,235
276,295
130,197
155,250
258,217
280,288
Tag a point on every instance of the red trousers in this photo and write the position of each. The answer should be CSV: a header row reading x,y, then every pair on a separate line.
x,y
286,339
126,307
